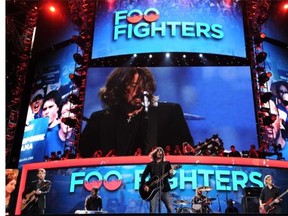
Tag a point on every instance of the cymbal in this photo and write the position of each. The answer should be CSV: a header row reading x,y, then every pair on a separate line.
x,y
205,188
181,202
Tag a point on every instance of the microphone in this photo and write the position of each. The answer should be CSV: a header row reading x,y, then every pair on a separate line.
x,y
145,102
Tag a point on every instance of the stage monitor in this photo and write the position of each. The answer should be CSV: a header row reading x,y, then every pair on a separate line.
x,y
133,27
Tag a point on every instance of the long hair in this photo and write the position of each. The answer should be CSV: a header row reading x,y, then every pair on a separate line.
x,y
153,154
112,94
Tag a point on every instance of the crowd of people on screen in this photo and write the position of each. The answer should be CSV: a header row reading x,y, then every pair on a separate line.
x,y
185,149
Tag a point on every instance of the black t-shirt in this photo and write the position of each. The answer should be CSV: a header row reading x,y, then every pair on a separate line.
x,y
231,209
93,203
158,171
164,125
267,195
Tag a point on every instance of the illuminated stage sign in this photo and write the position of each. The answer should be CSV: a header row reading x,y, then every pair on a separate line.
x,y
146,27
118,180
139,29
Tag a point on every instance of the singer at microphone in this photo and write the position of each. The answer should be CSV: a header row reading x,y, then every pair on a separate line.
x,y
128,99
146,102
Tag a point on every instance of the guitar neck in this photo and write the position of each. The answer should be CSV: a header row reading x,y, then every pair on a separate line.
x,y
164,175
279,197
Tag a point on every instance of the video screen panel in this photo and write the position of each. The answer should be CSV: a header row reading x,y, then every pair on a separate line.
x,y
119,180
215,100
276,63
51,84
133,27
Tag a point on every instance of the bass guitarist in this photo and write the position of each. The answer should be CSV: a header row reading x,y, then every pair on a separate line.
x,y
34,196
157,168
269,197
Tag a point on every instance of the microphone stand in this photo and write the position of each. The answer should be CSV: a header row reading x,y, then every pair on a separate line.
x,y
219,205
145,104
160,185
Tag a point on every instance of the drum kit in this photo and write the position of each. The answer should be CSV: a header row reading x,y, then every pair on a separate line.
x,y
201,207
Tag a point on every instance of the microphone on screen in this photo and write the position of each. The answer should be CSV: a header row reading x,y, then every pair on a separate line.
x,y
145,102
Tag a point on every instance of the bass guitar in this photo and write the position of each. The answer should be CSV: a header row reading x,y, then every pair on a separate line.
x,y
268,206
153,185
31,198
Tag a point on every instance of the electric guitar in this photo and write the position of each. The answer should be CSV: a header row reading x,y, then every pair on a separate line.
x,y
153,185
30,198
268,206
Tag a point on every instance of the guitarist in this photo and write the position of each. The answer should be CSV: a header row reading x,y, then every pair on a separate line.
x,y
155,169
34,196
269,194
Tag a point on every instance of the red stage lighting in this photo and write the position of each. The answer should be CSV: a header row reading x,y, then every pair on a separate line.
x,y
52,9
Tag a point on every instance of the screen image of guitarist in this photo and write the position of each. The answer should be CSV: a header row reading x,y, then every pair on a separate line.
x,y
270,197
34,196
157,188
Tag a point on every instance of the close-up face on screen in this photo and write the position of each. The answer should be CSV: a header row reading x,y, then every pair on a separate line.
x,y
215,100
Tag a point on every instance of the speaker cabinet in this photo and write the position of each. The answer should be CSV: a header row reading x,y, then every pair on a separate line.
x,y
251,204
251,199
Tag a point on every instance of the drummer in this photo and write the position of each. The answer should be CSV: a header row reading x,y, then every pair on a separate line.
x,y
200,202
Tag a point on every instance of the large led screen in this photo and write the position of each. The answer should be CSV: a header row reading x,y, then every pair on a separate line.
x,y
215,100
129,27
276,63
118,183
50,89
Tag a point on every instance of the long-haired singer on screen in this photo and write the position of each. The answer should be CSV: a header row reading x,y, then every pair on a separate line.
x,y
133,117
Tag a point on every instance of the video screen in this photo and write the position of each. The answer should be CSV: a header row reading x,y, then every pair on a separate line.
x,y
276,63
214,100
44,131
119,186
133,27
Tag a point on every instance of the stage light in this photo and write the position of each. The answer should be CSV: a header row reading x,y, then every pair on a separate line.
x,y
261,57
258,39
71,122
167,55
78,58
268,120
264,77
265,97
82,70
150,56
135,55
260,69
74,99
52,9
184,56
200,55
78,40
77,80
